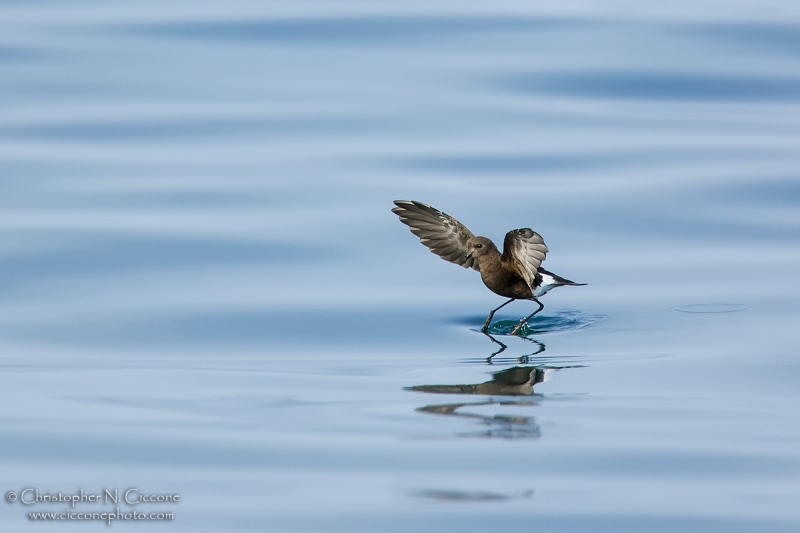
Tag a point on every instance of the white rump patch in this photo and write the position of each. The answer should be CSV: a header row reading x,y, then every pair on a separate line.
x,y
548,282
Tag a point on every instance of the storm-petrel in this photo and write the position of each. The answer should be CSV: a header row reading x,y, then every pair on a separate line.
x,y
514,274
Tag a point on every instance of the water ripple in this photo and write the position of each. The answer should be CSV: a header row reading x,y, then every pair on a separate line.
x,y
564,320
359,30
667,85
711,308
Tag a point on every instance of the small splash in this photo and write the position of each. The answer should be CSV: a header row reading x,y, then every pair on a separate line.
x,y
711,308
565,320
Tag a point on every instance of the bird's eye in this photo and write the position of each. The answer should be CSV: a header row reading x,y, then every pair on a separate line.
x,y
478,246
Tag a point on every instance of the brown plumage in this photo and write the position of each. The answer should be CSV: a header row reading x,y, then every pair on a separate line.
x,y
515,274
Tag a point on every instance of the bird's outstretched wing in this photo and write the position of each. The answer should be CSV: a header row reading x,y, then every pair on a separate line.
x,y
525,249
444,235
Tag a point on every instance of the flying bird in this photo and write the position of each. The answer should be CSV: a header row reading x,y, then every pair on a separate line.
x,y
516,273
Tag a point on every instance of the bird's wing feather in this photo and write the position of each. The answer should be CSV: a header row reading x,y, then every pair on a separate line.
x,y
441,233
525,250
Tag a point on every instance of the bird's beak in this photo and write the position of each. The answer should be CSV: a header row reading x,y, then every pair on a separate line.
x,y
468,256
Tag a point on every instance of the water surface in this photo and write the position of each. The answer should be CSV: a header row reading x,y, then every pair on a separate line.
x,y
203,290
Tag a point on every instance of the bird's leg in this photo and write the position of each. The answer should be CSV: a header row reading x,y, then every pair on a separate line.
x,y
489,320
502,347
525,320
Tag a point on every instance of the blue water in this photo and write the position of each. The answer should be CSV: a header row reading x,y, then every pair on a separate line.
x,y
203,290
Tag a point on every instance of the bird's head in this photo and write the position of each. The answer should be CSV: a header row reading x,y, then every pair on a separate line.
x,y
477,247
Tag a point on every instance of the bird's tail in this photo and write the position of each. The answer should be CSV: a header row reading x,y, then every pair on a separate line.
x,y
559,280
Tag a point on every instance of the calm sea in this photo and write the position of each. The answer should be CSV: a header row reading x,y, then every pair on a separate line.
x,y
203,290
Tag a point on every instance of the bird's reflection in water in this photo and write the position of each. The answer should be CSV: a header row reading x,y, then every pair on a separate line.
x,y
502,426
516,381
